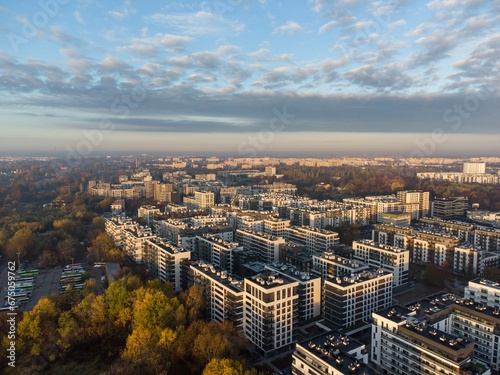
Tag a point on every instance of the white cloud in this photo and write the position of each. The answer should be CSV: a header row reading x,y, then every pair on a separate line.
x,y
78,17
327,26
290,27
197,23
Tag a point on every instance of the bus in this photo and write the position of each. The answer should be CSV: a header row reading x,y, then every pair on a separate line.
x,y
20,279
73,266
16,291
25,288
17,295
27,273
70,280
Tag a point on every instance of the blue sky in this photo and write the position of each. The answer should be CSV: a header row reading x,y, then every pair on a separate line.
x,y
352,77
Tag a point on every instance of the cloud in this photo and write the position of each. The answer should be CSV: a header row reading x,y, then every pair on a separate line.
x,y
119,14
78,17
197,23
154,45
327,26
290,27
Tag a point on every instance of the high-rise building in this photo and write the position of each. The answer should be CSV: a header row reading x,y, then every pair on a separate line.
x,y
216,251
164,261
474,168
349,300
403,344
270,312
388,258
204,199
315,240
267,246
331,353
415,197
223,292
450,208
483,291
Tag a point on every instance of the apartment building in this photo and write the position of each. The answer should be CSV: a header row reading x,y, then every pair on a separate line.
x,y
270,312
349,300
164,261
329,265
331,353
393,235
388,258
223,292
134,240
403,344
308,289
468,260
315,240
267,246
216,251
275,227
115,225
415,197
450,208
483,291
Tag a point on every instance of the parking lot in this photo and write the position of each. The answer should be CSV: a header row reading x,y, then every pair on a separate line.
x,y
46,283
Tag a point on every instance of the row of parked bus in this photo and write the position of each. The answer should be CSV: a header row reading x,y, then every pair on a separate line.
x,y
72,275
23,288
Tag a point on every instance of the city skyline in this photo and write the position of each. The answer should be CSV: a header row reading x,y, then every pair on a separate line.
x,y
251,78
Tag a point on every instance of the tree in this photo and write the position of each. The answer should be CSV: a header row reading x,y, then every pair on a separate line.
x,y
101,248
433,275
193,300
491,273
38,328
223,366
66,249
20,244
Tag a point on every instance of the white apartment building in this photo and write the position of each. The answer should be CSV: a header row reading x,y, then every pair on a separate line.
x,y
224,294
388,258
349,300
415,197
216,251
134,240
474,168
403,344
483,291
164,261
479,324
267,246
114,228
331,353
315,240
275,227
468,260
204,199
270,312
308,290
328,265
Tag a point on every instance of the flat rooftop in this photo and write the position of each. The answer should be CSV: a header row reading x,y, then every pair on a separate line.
x,y
333,348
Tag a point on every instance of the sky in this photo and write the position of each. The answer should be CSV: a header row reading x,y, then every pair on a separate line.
x,y
251,77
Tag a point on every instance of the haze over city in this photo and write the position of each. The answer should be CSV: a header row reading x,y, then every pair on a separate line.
x,y
251,78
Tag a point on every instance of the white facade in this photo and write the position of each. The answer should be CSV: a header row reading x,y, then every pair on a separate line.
x,y
164,261
315,240
349,300
483,291
401,344
388,258
267,246
270,312
224,294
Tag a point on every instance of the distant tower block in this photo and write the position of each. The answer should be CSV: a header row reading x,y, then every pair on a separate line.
x,y
474,168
